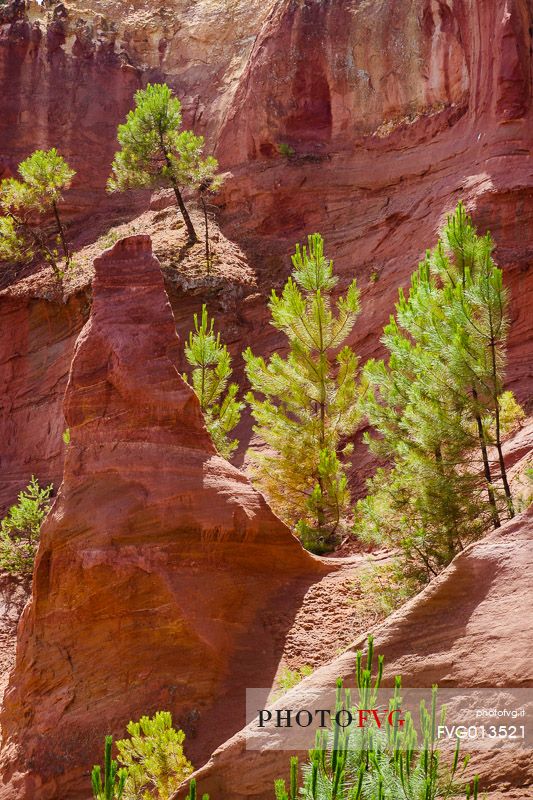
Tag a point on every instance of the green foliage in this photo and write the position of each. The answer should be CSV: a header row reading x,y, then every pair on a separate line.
x,y
156,152
285,149
288,678
192,792
369,763
153,758
66,436
19,530
113,784
436,406
210,376
25,206
384,587
109,238
511,414
309,401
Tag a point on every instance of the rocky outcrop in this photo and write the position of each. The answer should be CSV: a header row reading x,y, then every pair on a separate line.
x,y
160,569
469,628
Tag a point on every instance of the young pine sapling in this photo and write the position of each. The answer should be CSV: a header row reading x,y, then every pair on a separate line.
x,y
211,371
26,205
155,151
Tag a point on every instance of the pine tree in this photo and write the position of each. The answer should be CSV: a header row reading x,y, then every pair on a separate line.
x,y
153,758
390,762
476,313
428,502
20,528
156,152
211,372
309,404
436,404
27,204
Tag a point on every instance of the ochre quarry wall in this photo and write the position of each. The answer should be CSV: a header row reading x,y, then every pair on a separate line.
x,y
160,568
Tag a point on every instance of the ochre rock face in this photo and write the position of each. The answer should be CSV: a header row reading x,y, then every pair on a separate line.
x,y
36,344
468,628
394,111
159,567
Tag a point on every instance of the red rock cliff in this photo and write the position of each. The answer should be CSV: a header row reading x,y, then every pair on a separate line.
x,y
159,566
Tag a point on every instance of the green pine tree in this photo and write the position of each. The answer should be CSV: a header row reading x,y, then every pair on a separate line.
x,y
26,206
390,762
20,529
475,307
305,405
211,363
435,405
155,151
153,758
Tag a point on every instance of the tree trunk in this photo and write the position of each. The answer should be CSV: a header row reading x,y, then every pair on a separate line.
x,y
501,461
206,221
193,238
62,236
486,466
450,544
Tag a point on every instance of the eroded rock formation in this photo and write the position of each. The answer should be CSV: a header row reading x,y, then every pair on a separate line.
x,y
468,628
160,568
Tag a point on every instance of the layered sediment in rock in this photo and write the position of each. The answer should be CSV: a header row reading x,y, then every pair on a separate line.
x,y
160,568
469,628
36,345
390,113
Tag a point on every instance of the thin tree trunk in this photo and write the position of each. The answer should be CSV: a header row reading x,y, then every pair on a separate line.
x,y
449,531
501,460
62,236
486,466
207,253
193,238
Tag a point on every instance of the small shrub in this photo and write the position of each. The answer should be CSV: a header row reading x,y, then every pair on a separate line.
x,y
211,363
288,678
19,530
383,588
109,239
153,758
511,413
285,150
